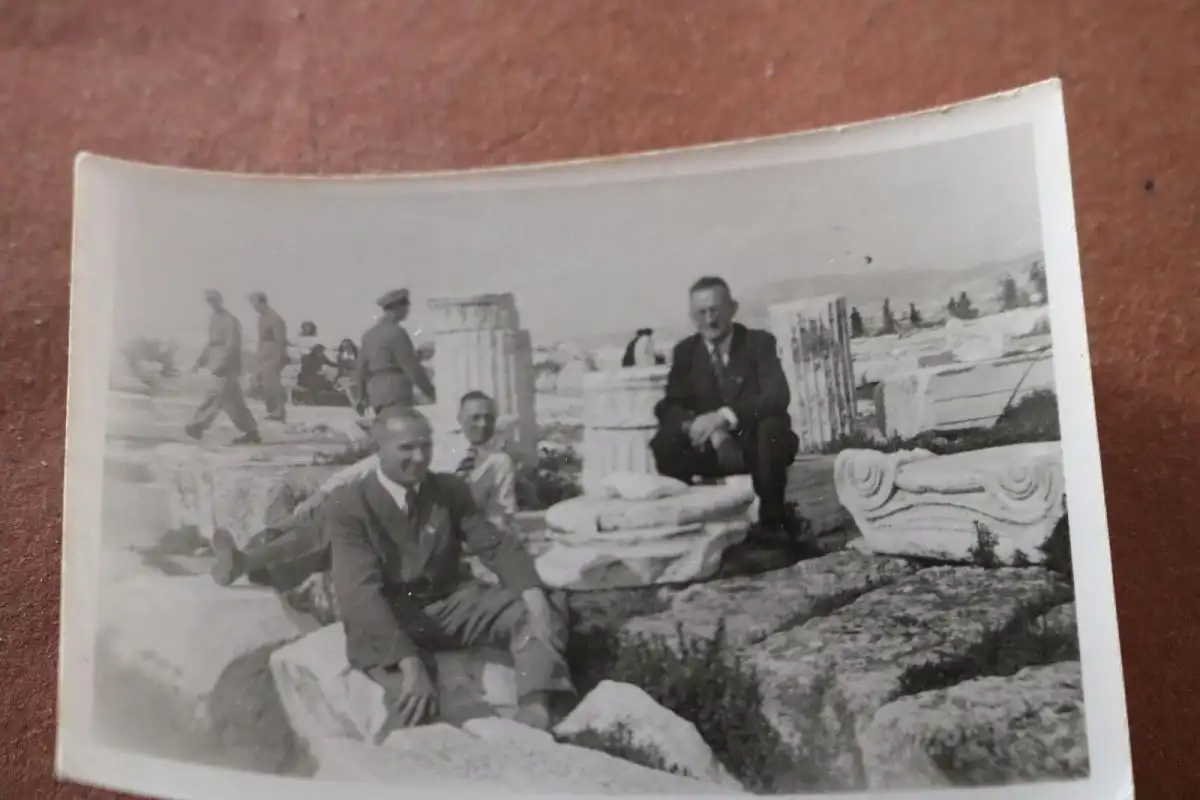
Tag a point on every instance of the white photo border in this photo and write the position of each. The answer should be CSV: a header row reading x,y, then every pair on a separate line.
x,y
93,267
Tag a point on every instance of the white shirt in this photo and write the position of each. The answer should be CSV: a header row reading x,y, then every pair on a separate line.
x,y
493,479
397,492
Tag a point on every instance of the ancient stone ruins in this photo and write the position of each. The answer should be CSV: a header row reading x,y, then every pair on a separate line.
x,y
934,644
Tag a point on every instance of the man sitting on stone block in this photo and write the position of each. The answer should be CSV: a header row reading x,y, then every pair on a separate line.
x,y
397,539
725,411
294,548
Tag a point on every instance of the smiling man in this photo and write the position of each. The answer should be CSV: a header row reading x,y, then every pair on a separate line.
x,y
397,538
292,549
725,411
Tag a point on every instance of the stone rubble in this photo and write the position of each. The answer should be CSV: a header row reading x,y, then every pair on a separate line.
x,y
182,633
994,730
325,699
824,681
754,607
499,754
613,707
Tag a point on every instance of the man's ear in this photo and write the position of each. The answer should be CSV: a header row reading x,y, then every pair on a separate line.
x,y
735,305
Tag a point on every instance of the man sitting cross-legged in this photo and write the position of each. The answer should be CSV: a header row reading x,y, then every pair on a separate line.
x,y
725,411
296,547
397,538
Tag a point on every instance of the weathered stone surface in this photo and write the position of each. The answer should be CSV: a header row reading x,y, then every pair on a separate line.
x,y
643,557
813,337
238,490
590,514
999,503
482,347
995,730
182,633
619,421
959,396
324,698
757,606
824,681
614,708
500,755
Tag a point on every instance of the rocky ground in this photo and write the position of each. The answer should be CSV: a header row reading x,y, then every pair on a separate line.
x,y
840,672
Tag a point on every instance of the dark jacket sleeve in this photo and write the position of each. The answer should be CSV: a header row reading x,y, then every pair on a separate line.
x,y
374,634
678,405
498,548
771,396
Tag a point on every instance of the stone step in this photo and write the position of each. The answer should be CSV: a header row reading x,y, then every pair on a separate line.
x,y
988,731
753,608
824,681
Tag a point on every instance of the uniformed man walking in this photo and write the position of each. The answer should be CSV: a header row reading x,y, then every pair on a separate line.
x,y
222,356
388,366
272,356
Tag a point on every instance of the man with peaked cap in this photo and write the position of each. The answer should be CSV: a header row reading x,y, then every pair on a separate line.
x,y
388,365
271,357
222,356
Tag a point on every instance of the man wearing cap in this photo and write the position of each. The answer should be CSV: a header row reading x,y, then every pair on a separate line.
x,y
222,356
388,366
272,356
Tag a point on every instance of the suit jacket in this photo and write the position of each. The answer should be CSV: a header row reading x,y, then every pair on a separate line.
x,y
272,340
759,387
388,566
223,353
388,366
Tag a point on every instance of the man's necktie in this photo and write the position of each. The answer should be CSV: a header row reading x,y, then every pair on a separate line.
x,y
467,465
410,502
719,369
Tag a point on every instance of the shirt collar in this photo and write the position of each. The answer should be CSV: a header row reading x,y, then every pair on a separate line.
x,y
397,492
721,347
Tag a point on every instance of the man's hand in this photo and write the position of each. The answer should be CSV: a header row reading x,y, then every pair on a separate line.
x,y
704,426
544,624
409,694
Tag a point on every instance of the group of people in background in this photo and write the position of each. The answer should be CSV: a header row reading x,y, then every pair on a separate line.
x,y
384,372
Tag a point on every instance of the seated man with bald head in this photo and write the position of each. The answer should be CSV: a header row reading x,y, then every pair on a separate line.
x,y
397,539
395,519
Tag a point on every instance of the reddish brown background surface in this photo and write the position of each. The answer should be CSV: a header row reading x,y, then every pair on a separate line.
x,y
356,86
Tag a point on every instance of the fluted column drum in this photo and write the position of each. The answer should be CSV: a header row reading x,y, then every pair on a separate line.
x,y
481,347
813,336
619,422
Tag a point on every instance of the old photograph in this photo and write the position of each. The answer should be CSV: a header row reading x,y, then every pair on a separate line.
x,y
767,467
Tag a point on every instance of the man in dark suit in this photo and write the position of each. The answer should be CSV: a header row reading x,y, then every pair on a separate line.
x,y
388,366
725,411
397,537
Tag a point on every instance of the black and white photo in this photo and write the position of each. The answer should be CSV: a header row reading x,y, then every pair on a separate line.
x,y
767,467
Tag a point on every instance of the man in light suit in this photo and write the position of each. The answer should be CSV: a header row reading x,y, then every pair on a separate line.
x,y
222,356
272,356
388,366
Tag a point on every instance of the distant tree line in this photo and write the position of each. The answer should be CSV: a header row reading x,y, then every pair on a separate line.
x,y
1012,297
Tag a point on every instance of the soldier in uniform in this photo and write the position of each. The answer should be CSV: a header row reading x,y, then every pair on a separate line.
x,y
388,366
272,356
222,356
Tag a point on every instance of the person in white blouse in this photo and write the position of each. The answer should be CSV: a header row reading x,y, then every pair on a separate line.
x,y
292,549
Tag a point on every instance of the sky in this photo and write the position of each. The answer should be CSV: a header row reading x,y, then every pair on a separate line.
x,y
582,260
